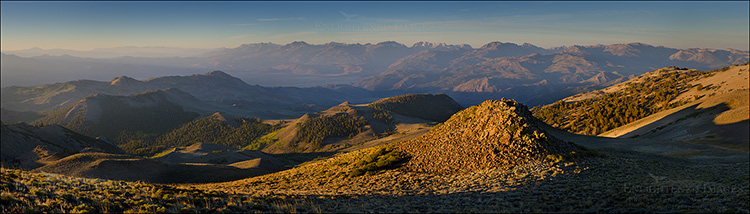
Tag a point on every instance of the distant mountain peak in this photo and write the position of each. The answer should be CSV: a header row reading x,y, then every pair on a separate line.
x,y
639,44
298,43
429,44
496,45
217,73
526,44
220,116
391,44
123,80
335,44
441,45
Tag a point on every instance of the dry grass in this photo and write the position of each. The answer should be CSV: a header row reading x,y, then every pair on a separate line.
x,y
25,192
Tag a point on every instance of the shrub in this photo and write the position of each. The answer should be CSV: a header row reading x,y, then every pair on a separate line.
x,y
83,208
377,159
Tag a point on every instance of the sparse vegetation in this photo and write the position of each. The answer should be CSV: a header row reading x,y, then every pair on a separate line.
x,y
25,192
263,140
636,100
205,130
315,130
572,156
382,116
376,160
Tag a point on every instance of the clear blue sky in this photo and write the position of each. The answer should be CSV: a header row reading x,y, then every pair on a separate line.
x,y
88,25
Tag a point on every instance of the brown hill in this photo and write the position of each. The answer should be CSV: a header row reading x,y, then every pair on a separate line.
x,y
347,125
28,146
332,129
493,134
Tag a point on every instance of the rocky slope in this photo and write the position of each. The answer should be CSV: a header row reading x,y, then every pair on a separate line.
x,y
499,134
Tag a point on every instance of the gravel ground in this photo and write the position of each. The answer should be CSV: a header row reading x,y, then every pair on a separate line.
x,y
611,182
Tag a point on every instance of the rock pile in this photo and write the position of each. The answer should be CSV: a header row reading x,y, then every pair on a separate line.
x,y
495,134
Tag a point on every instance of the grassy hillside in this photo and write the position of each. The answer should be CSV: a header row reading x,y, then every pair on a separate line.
x,y
315,130
205,130
719,118
347,125
25,192
599,111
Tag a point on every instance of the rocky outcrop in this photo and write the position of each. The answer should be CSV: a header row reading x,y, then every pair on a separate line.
x,y
495,134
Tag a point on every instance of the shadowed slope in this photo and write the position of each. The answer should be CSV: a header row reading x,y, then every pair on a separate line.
x,y
26,146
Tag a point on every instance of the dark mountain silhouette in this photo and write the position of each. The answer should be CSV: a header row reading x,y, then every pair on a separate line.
x,y
222,91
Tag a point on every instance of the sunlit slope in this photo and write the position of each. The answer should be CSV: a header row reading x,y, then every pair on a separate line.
x,y
719,117
597,112
346,125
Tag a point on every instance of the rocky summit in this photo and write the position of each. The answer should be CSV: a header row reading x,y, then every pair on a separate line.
x,y
495,134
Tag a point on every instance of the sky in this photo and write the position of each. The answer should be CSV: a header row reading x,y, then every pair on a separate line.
x,y
194,24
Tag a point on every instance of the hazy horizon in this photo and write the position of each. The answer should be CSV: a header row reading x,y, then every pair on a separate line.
x,y
210,25
324,43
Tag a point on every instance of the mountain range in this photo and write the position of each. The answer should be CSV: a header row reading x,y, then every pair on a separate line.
x,y
217,89
532,74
